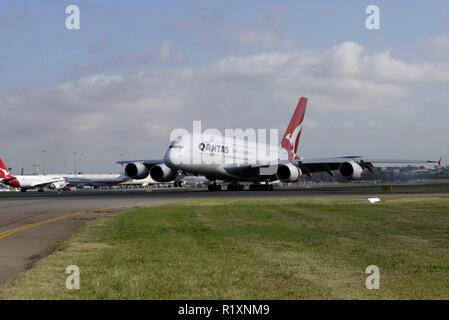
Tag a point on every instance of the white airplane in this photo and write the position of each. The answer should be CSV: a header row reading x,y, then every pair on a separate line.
x,y
96,182
238,160
193,181
30,182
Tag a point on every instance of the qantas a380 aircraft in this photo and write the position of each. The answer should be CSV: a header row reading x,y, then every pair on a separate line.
x,y
235,160
30,182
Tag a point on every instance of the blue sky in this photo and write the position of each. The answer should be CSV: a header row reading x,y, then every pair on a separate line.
x,y
37,49
138,69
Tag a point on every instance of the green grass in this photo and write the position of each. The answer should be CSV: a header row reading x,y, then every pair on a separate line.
x,y
398,189
253,249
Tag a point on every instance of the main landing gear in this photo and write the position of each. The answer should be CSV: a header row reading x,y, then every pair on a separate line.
x,y
235,186
214,187
261,187
177,184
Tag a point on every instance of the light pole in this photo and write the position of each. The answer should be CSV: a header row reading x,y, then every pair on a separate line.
x,y
36,169
122,156
74,163
65,167
43,161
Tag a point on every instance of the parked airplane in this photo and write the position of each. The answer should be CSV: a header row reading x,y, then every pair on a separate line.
x,y
185,157
96,182
30,182
3,187
193,181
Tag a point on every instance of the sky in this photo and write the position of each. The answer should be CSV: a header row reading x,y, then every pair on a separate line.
x,y
136,70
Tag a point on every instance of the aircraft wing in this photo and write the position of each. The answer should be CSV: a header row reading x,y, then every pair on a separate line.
x,y
330,164
309,166
147,163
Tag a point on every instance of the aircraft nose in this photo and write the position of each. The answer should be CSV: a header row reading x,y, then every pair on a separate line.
x,y
172,156
168,157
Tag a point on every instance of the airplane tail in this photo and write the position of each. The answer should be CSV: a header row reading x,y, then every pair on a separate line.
x,y
4,173
290,141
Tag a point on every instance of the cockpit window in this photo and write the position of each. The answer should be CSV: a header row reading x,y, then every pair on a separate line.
x,y
174,143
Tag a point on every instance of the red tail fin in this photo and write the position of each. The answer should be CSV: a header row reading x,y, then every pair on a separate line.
x,y
290,141
4,173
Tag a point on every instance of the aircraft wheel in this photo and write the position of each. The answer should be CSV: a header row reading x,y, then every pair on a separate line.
x,y
235,187
254,187
214,187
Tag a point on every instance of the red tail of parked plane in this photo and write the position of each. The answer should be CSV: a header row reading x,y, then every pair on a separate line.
x,y
4,173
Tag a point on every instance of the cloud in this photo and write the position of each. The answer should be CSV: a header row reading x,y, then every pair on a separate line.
x,y
262,31
263,39
364,102
164,51
437,47
125,60
99,46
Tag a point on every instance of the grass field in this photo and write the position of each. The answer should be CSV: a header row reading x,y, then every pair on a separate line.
x,y
254,249
399,189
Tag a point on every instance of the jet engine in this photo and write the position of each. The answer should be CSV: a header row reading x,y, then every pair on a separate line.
x,y
162,173
136,170
55,186
350,170
288,172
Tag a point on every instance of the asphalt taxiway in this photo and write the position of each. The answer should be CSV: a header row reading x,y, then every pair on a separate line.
x,y
31,223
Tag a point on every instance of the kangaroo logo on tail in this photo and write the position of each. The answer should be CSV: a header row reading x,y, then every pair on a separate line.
x,y
292,137
4,173
290,141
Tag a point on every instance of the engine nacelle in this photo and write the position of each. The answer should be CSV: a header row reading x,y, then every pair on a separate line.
x,y
350,170
162,173
136,170
288,172
55,186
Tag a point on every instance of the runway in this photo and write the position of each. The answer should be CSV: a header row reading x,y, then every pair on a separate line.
x,y
31,223
171,193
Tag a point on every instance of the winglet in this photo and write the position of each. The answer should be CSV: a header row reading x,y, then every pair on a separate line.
x,y
439,162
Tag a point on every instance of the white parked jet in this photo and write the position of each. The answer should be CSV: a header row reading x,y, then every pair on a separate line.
x,y
30,182
238,160
96,182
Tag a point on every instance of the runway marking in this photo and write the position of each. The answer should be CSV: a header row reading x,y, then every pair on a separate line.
x,y
10,232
